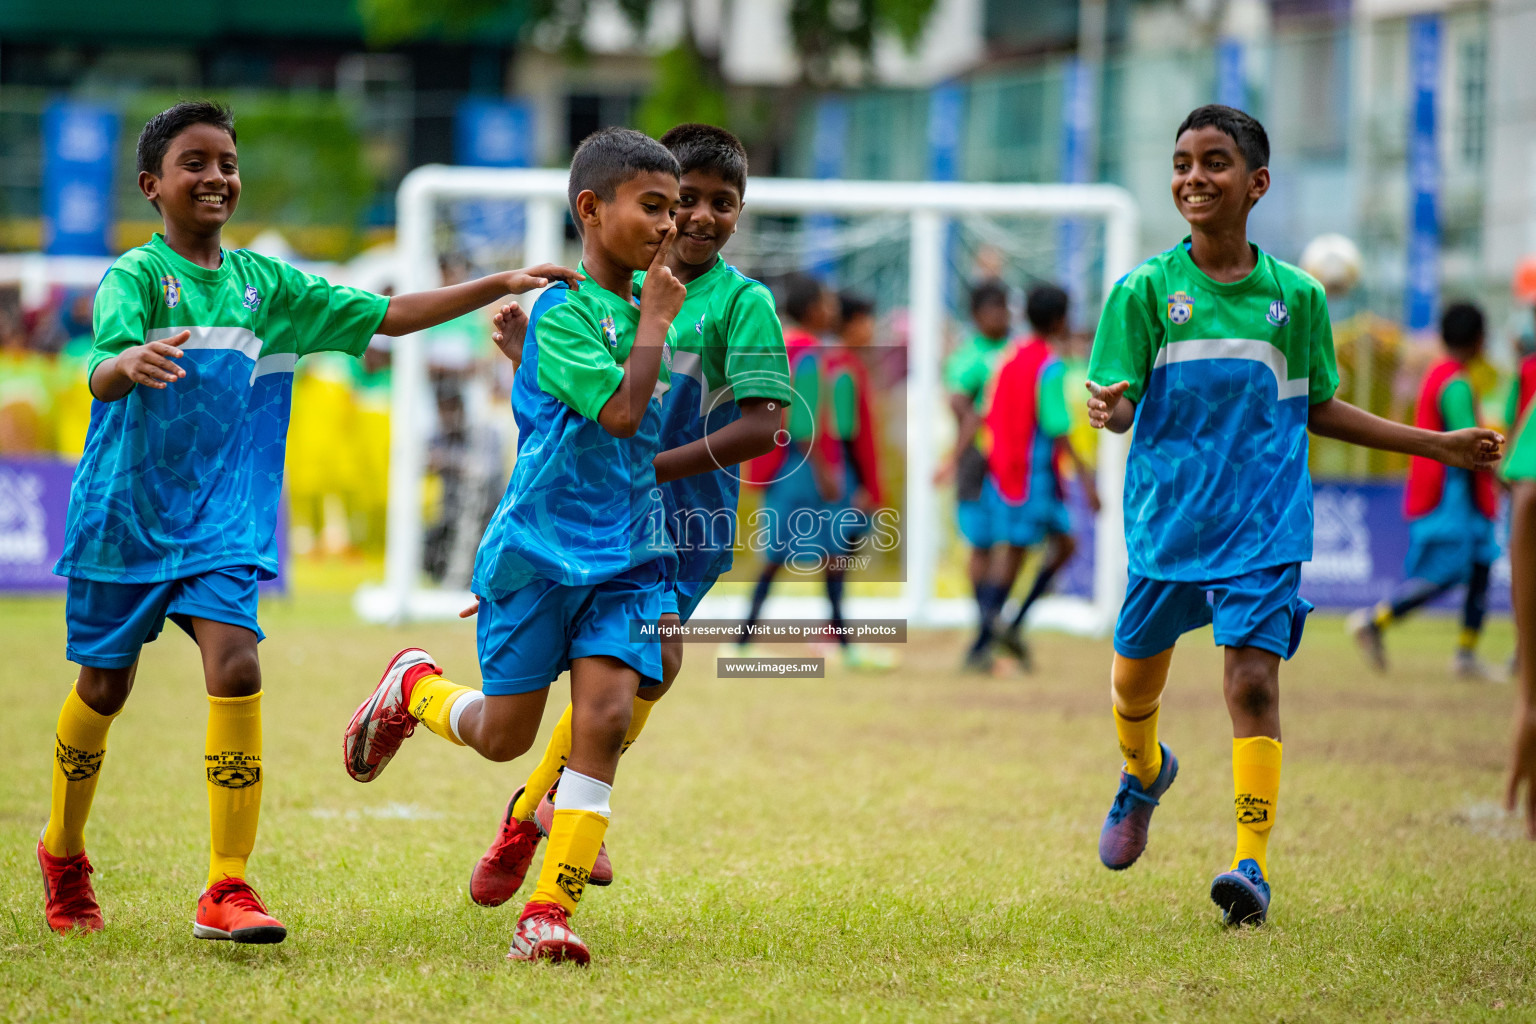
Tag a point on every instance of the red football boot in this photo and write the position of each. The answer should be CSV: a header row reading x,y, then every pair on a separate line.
x,y
69,902
231,910
383,721
544,933
544,814
499,874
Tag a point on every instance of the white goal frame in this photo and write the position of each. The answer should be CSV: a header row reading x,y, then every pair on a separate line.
x,y
929,205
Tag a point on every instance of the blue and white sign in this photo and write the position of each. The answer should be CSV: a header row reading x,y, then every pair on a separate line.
x,y
828,156
1422,294
492,133
1231,73
1079,123
79,143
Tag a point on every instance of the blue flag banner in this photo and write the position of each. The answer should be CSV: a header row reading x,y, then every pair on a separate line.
x,y
1231,74
1079,122
79,143
492,133
827,160
1422,295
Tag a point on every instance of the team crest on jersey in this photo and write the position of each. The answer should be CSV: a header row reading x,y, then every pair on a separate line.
x,y
1278,314
252,297
698,328
609,331
1180,308
172,288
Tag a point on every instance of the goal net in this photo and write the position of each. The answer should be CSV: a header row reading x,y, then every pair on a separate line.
x,y
913,249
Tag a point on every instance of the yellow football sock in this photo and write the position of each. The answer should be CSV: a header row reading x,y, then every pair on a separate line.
x,y
1382,618
1469,639
574,839
432,700
79,746
558,751
1136,686
232,758
1256,789
1138,745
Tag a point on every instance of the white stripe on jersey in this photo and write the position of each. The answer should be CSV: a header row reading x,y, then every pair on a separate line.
x,y
229,339
1251,349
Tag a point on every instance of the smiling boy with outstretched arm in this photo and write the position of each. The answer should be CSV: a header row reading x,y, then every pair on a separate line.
x,y
576,554
173,508
1218,500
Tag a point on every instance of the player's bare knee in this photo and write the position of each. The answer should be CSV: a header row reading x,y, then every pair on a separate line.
x,y
234,671
671,664
604,720
104,690
1252,687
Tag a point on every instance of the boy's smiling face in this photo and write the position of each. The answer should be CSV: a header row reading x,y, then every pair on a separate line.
x,y
1212,185
632,226
707,211
198,186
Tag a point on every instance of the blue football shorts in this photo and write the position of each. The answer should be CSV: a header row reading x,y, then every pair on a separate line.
x,y
528,638
1437,558
1263,609
107,623
992,519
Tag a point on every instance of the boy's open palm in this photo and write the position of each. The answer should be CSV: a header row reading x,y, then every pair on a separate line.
x,y
1102,402
151,364
663,295
1471,448
509,326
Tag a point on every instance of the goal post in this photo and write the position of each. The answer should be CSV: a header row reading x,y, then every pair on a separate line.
x,y
928,207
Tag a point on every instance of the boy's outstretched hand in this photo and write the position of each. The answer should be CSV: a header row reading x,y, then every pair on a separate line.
x,y
1471,448
1103,401
662,295
509,326
526,280
150,364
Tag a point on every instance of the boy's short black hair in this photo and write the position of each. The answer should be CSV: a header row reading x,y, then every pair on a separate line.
x,y
1252,141
704,147
988,293
801,292
851,306
156,137
611,156
1045,307
1462,326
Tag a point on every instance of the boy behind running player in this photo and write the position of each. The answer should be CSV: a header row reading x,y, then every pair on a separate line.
x,y
575,553
173,509
1222,357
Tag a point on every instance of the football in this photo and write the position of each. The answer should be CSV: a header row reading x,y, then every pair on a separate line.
x,y
1334,260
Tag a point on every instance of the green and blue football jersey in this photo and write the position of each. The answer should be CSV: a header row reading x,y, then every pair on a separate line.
x,y
730,346
582,505
1222,375
183,480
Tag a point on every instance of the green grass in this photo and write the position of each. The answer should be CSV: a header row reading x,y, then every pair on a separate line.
x,y
915,847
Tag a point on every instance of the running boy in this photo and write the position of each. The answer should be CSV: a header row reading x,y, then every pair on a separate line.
x,y
173,509
1451,512
730,384
1029,430
577,551
1222,358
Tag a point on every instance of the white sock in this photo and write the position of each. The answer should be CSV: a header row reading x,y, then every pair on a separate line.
x,y
461,705
580,792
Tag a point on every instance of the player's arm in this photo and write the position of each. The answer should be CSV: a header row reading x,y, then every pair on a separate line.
x,y
1467,448
508,328
419,310
659,305
967,423
736,442
151,364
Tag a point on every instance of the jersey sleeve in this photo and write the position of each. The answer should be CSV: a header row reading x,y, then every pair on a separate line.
x,y
575,364
1512,404
1051,404
955,372
1126,341
1458,407
120,314
1323,372
755,363
330,317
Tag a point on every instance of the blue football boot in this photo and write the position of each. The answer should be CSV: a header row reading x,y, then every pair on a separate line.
x,y
1242,894
1125,827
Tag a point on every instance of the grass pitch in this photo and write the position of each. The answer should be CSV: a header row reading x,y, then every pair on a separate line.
x,y
920,846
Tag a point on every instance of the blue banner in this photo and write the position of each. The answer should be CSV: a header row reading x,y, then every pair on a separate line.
x,y
492,133
79,144
1079,123
1422,293
1231,74
946,130
828,150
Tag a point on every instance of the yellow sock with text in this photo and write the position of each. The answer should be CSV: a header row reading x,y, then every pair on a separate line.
x,y
1138,745
80,743
432,701
574,840
232,761
1256,792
